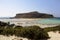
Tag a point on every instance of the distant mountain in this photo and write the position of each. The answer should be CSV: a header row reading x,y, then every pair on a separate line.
x,y
34,14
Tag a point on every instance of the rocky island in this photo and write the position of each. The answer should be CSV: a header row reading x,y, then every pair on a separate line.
x,y
34,14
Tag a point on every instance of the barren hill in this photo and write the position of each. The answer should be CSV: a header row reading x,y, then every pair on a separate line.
x,y
34,14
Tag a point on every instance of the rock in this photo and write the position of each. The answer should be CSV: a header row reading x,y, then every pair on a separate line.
x,y
34,14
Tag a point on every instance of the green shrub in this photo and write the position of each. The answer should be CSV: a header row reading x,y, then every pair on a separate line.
x,y
56,28
33,32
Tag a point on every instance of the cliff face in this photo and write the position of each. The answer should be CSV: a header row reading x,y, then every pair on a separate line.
x,y
33,15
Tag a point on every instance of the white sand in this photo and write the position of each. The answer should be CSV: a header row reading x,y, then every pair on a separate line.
x,y
54,35
11,38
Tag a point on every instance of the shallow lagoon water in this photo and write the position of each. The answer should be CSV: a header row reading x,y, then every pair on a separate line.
x,y
39,21
49,21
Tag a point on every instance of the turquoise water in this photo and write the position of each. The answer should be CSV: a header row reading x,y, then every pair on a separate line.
x,y
50,21
33,21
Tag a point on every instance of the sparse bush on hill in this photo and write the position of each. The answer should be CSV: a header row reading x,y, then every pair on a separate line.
x,y
34,32
56,28
18,27
2,24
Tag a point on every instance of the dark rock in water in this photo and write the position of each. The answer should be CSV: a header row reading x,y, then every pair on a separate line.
x,y
33,15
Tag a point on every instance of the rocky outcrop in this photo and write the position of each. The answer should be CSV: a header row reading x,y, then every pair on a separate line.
x,y
33,15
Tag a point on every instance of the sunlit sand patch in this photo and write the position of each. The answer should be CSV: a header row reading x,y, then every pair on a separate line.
x,y
54,35
2,37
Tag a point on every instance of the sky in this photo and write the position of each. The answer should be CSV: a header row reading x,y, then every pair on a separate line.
x,y
9,8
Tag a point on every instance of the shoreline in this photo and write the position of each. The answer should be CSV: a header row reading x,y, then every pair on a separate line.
x,y
29,22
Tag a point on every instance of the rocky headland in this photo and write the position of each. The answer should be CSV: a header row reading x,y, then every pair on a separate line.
x,y
34,14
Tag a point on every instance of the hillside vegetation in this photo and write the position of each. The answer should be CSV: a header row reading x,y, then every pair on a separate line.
x,y
31,32
56,28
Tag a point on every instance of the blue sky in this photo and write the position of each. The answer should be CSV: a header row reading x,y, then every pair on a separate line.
x,y
9,8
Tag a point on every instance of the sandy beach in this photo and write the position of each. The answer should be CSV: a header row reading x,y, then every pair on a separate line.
x,y
54,35
11,38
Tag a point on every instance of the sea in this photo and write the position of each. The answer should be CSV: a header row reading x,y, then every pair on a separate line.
x,y
43,22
